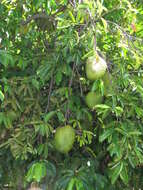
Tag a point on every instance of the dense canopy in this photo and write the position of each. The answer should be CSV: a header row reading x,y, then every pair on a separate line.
x,y
44,48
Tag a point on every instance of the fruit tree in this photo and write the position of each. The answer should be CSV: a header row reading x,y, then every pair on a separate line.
x,y
71,94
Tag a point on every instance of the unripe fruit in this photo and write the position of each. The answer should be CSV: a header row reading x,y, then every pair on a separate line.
x,y
95,67
93,98
64,138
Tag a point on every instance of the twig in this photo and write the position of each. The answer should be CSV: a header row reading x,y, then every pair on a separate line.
x,y
70,82
124,32
69,88
61,9
67,114
79,132
81,90
130,39
49,95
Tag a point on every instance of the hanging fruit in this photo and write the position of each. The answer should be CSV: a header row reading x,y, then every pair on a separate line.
x,y
95,67
64,138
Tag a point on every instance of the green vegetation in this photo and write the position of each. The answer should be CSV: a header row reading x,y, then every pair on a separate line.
x,y
49,54
93,98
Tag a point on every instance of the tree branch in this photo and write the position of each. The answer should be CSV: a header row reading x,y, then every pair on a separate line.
x,y
69,87
124,32
49,95
81,90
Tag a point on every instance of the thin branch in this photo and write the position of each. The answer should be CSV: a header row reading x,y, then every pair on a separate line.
x,y
61,9
79,132
130,39
81,90
69,88
49,95
70,82
124,32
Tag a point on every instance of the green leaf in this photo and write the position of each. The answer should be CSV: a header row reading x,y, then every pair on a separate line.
x,y
79,184
104,24
99,7
83,6
71,184
58,77
39,171
101,181
90,53
106,134
6,59
1,117
51,169
49,115
35,83
61,116
118,110
7,122
1,96
94,86
102,106
29,174
43,129
124,175
71,16
116,170
36,172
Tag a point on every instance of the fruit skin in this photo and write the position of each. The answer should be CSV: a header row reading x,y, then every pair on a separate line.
x,y
95,67
64,138
93,98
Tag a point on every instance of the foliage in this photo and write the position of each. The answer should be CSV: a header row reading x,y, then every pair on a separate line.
x,y
44,46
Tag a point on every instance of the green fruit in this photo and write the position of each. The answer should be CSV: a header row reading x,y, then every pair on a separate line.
x,y
95,67
93,98
64,138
